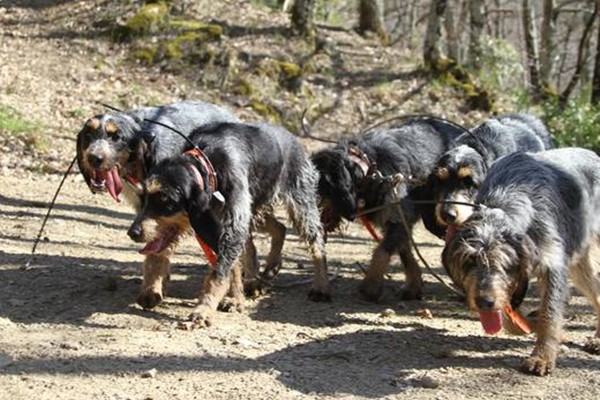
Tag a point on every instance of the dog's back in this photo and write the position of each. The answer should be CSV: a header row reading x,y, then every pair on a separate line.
x,y
261,152
185,116
556,191
411,149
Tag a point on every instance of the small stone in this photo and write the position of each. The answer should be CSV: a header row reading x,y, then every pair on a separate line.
x,y
425,313
244,342
69,346
388,312
428,382
185,325
151,373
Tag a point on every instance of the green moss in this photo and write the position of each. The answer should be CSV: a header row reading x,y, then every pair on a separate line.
x,y
243,87
13,122
265,110
213,31
145,55
290,70
176,49
148,18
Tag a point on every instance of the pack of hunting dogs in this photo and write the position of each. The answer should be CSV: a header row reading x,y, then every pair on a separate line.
x,y
508,205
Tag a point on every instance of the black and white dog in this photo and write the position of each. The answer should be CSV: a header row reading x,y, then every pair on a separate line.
x,y
350,181
252,166
538,214
461,170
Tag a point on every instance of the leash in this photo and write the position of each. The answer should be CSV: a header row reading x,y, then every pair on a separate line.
x,y
364,213
37,239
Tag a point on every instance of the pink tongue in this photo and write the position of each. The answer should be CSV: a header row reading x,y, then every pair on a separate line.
x,y
491,321
113,183
153,247
450,232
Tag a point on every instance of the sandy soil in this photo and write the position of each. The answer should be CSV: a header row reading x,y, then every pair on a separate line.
x,y
69,326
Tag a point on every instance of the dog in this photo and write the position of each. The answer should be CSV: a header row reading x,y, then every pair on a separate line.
x,y
350,181
115,150
255,165
537,214
118,147
461,170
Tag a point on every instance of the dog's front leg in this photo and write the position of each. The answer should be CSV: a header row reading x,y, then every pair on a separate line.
x,y
156,275
549,324
234,235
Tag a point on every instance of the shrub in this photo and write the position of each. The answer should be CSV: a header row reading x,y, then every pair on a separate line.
x,y
577,125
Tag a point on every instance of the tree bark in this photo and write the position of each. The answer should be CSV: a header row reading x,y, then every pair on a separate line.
x,y
370,19
431,48
579,66
452,33
302,18
547,42
477,24
596,79
531,49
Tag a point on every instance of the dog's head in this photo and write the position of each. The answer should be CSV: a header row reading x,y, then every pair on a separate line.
x,y
174,199
338,177
491,264
108,147
457,177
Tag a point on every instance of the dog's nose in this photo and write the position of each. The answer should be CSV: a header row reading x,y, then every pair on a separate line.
x,y
95,160
484,303
135,232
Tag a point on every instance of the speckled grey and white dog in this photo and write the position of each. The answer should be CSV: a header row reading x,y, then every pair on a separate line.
x,y
461,170
539,214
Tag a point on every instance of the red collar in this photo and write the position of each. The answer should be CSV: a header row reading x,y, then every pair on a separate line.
x,y
208,167
359,158
211,188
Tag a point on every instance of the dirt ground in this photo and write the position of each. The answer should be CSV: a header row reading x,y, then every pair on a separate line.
x,y
70,328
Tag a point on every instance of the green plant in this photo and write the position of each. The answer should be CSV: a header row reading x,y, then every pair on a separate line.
x,y
575,125
501,65
12,122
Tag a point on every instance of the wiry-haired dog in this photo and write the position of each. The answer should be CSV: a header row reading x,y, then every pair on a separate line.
x,y
410,150
539,214
461,170
115,150
255,166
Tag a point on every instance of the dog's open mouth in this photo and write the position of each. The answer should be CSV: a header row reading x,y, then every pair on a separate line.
x,y
165,237
491,321
107,181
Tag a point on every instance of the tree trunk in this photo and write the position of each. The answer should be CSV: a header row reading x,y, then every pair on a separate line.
x,y
452,33
302,18
370,19
531,49
583,44
596,78
431,49
547,42
477,24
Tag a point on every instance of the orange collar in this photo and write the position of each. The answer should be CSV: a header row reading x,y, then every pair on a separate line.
x,y
367,224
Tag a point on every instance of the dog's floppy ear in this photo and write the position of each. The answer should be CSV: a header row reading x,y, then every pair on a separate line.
x,y
203,220
528,258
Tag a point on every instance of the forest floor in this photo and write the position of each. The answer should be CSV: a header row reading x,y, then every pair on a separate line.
x,y
69,325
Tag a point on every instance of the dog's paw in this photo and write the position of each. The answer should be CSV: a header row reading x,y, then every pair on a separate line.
x,y
201,317
371,291
231,304
592,345
149,298
536,365
319,295
255,288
